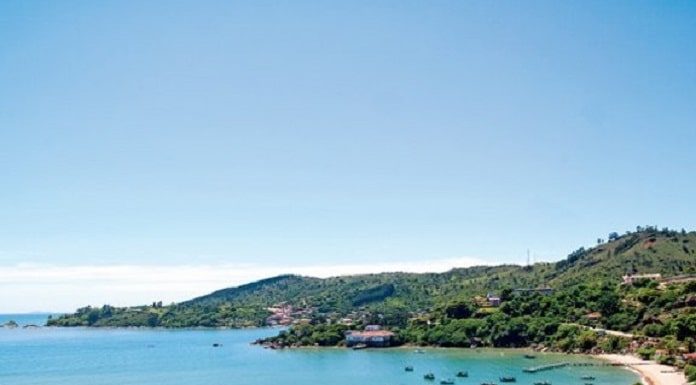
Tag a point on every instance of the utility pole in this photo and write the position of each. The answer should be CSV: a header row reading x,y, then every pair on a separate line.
x,y
528,258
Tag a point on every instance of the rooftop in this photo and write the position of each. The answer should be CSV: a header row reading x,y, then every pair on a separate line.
x,y
373,333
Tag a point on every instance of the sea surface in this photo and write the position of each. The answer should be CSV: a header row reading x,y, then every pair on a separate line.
x,y
80,356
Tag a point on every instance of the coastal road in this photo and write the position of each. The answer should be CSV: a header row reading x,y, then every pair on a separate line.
x,y
606,331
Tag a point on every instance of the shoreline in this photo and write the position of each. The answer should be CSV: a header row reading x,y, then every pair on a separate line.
x,y
650,372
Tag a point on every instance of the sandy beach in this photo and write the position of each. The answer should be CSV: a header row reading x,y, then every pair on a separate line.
x,y
651,372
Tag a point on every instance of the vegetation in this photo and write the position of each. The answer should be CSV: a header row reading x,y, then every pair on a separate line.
x,y
449,309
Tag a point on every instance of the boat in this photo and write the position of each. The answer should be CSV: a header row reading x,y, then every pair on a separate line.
x,y
463,374
419,351
587,378
542,383
409,368
488,383
507,379
448,381
359,346
429,376
529,356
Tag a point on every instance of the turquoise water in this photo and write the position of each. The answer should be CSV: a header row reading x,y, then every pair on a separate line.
x,y
80,356
25,319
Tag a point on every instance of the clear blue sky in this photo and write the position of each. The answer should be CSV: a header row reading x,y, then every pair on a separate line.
x,y
312,132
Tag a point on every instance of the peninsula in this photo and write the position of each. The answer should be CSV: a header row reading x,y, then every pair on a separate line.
x,y
630,293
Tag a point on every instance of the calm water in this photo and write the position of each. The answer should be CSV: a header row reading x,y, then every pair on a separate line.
x,y
186,357
25,319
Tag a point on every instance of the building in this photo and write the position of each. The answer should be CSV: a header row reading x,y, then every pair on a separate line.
x,y
493,300
375,338
594,316
629,279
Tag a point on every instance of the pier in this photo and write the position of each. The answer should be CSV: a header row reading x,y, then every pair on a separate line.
x,y
542,368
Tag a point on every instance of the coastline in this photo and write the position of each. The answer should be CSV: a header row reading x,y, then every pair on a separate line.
x,y
651,373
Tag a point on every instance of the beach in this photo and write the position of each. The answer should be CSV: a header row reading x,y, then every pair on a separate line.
x,y
651,372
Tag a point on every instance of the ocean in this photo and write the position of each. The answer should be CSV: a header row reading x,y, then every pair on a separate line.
x,y
82,356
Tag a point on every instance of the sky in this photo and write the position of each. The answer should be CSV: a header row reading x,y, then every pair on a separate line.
x,y
159,150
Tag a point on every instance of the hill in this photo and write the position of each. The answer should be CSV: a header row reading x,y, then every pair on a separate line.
x,y
394,298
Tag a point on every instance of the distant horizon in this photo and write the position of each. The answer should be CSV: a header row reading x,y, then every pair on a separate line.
x,y
185,282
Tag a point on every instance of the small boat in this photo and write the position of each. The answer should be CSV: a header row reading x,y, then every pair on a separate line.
x,y
217,345
409,368
542,383
589,383
429,376
419,351
529,356
587,378
359,346
507,379
488,383
448,381
463,374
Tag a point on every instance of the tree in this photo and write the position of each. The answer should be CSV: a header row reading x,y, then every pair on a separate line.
x,y
506,294
459,310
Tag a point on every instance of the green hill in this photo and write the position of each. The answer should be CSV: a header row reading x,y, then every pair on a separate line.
x,y
396,297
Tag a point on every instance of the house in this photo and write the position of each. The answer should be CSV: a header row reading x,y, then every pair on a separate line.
x,y
594,316
375,337
493,300
629,279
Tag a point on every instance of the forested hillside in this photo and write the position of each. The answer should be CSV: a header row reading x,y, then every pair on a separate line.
x,y
393,298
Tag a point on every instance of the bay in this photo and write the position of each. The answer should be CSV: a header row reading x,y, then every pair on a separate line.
x,y
81,356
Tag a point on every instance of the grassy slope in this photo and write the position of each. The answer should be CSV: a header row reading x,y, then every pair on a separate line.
x,y
668,253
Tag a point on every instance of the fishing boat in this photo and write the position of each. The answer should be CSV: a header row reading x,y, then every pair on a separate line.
x,y
409,368
463,374
448,381
507,379
429,376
